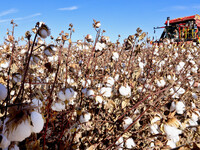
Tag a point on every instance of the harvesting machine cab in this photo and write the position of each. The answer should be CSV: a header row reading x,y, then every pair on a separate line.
x,y
181,29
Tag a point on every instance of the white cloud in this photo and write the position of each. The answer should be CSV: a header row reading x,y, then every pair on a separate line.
x,y
175,8
68,8
8,12
20,18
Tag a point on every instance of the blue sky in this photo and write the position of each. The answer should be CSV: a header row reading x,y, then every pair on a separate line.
x,y
116,16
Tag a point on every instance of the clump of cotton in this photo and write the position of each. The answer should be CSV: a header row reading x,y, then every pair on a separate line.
x,y
106,91
127,121
130,143
22,131
125,91
4,143
37,122
3,92
85,118
58,106
178,106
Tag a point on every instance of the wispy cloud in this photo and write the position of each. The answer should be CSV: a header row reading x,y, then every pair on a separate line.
x,y
68,8
174,8
10,11
20,18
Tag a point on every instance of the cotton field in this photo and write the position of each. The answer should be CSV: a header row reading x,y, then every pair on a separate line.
x,y
97,94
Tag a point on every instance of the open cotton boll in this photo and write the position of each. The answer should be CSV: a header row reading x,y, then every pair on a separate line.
x,y
85,117
171,143
127,121
99,99
90,93
125,91
180,107
106,91
115,56
15,147
69,93
86,84
37,122
61,95
100,46
172,133
58,106
4,143
161,83
130,143
3,92
194,95
120,143
154,128
110,82
36,102
21,132
116,77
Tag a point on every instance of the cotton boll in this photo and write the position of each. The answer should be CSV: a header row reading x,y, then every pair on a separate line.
x,y
116,77
3,92
36,102
100,46
59,106
171,143
154,128
172,133
85,117
180,107
4,143
127,121
173,106
69,93
15,147
106,91
130,143
120,143
115,56
84,91
90,93
47,52
98,99
61,95
194,95
110,82
5,64
161,83
21,132
37,122
125,91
